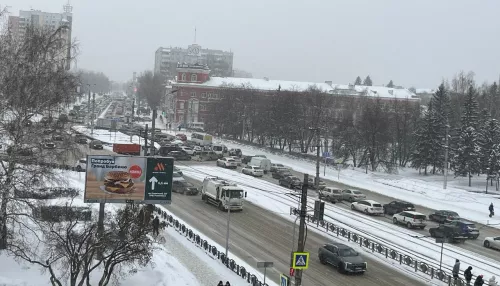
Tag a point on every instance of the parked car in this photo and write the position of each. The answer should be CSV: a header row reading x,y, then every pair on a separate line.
x,y
235,152
352,195
395,207
57,137
177,170
312,185
181,136
184,187
410,219
48,131
492,242
331,195
236,159
179,156
469,229
443,216
276,167
368,207
263,163
20,151
260,156
96,144
291,182
81,165
188,150
253,171
280,174
343,257
227,162
48,144
80,139
177,177
197,149
450,232
246,159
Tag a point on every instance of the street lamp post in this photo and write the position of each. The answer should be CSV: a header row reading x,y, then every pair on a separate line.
x,y
227,230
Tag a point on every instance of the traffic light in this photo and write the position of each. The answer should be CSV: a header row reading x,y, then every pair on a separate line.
x,y
319,210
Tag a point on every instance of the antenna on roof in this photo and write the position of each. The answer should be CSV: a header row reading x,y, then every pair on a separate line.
x,y
195,34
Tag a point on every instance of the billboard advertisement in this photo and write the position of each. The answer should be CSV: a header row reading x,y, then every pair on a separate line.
x,y
126,179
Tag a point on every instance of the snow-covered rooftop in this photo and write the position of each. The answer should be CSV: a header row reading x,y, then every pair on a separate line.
x,y
425,90
270,85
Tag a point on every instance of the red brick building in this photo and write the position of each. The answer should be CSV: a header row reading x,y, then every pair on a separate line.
x,y
187,100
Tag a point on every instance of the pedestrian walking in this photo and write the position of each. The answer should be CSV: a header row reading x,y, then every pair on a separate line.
x,y
220,283
492,210
179,128
156,226
468,275
456,270
479,281
227,283
492,281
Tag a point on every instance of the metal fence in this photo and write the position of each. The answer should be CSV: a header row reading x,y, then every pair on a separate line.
x,y
383,250
210,250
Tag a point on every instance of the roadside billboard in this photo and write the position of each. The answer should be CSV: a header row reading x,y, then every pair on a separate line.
x,y
126,179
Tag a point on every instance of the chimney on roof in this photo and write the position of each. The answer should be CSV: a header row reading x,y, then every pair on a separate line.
x,y
329,82
351,86
266,78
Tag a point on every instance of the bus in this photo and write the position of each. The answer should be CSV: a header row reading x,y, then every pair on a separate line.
x,y
201,139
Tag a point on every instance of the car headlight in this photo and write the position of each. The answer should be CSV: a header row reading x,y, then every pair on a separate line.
x,y
347,264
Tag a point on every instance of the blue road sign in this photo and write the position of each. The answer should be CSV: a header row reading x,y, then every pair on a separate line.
x,y
284,280
300,260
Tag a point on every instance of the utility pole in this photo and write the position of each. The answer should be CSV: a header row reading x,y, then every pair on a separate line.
x,y
92,115
153,127
302,214
318,159
227,232
446,156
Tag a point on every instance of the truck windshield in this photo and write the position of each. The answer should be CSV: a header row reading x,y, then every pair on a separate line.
x,y
235,194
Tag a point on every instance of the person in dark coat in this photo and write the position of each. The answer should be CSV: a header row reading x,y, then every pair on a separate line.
x,y
220,283
492,210
156,225
456,269
479,281
468,275
227,283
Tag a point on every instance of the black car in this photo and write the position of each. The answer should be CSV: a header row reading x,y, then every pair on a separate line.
x,y
96,145
246,159
235,152
80,139
443,216
468,229
290,182
166,149
345,258
280,174
396,207
184,187
450,232
48,144
179,156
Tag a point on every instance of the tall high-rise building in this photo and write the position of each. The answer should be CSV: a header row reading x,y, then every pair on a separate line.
x,y
166,60
36,18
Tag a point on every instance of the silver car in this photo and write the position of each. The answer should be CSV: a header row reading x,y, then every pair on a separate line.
x,y
352,195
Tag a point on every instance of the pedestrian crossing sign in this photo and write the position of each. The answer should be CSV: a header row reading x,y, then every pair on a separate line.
x,y
284,280
300,260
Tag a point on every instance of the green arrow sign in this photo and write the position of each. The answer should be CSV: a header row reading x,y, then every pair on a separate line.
x,y
158,182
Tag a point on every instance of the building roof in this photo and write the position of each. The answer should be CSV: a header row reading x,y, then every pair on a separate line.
x,y
425,90
336,89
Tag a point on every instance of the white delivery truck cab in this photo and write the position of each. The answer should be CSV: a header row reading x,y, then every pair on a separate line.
x,y
222,193
219,149
263,163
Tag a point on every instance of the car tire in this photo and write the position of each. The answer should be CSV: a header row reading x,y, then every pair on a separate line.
x,y
486,244
394,220
408,225
221,207
78,168
432,233
203,197
475,237
422,227
322,260
351,199
366,211
352,207
340,267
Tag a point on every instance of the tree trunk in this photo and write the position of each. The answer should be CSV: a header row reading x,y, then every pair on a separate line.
x,y
470,179
3,207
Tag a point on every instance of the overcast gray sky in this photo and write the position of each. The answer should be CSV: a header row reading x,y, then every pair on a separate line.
x,y
414,43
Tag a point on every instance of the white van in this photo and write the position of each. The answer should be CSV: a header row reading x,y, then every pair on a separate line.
x,y
219,149
202,139
263,163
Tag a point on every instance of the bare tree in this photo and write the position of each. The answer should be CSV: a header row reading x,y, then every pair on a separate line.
x,y
33,80
73,250
152,87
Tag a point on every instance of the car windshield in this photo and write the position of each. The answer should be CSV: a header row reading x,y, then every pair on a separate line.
x,y
357,192
230,160
419,217
347,252
187,184
83,161
377,205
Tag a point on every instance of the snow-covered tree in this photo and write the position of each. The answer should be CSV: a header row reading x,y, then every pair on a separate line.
x,y
424,151
368,81
489,143
439,121
390,84
357,81
467,152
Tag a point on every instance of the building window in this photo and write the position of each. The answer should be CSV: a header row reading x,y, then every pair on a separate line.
x,y
222,96
203,95
181,105
183,77
193,93
194,77
209,96
216,96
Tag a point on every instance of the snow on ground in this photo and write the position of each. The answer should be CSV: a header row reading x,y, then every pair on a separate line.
x,y
111,137
175,263
420,190
273,198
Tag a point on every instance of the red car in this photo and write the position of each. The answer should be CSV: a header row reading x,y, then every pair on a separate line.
x,y
181,136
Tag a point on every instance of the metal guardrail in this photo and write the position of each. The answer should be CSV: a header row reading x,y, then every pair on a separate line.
x,y
383,250
211,250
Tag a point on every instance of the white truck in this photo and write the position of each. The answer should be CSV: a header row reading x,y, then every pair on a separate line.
x,y
222,193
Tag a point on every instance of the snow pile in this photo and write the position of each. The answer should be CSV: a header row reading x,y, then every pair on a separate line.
x,y
111,137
